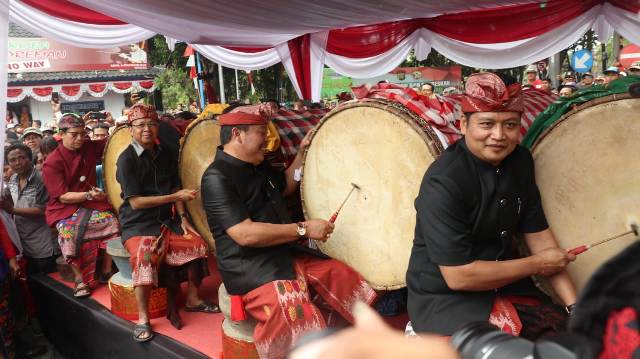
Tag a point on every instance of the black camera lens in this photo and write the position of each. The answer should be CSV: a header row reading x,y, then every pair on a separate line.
x,y
481,340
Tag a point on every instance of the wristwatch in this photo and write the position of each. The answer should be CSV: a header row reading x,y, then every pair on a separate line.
x,y
88,196
302,229
569,308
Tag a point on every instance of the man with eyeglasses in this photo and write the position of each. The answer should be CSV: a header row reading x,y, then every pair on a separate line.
x,y
148,177
81,213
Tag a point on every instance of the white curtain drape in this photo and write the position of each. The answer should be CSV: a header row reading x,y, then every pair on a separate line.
x,y
246,61
76,33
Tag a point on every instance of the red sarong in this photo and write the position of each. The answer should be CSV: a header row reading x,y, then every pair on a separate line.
x,y
147,252
284,310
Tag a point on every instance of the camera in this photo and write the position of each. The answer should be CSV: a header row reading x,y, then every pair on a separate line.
x,y
481,340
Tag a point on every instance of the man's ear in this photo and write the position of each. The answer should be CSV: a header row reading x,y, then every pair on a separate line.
x,y
464,123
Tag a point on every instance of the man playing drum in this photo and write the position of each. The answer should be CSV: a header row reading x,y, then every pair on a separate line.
x,y
472,201
257,257
148,176
78,209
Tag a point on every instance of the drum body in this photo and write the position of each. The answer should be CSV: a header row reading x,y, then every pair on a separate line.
x,y
117,143
197,151
588,175
385,149
123,299
237,336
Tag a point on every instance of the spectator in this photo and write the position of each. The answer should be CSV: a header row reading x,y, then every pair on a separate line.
x,y
634,69
567,89
298,105
32,137
545,85
568,77
27,203
587,81
99,131
428,90
612,73
25,118
532,75
600,80
37,123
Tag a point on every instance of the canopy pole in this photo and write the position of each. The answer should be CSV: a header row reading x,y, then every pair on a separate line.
x,y
221,82
200,81
237,87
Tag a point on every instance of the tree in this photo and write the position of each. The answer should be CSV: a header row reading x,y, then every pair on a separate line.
x,y
176,86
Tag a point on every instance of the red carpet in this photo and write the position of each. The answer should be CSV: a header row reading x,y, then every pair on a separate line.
x,y
200,331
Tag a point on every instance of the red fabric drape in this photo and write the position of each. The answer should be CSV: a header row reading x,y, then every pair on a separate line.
x,y
487,26
146,84
14,92
301,58
67,10
70,90
97,87
122,85
42,91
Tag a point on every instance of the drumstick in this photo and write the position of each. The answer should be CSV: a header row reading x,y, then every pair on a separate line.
x,y
334,216
585,247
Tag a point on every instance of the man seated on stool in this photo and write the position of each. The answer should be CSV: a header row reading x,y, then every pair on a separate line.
x,y
472,201
148,176
257,257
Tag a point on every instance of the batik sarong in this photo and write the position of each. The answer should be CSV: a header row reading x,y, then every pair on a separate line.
x,y
147,252
527,317
285,311
101,227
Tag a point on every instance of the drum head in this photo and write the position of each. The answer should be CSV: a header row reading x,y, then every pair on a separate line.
x,y
588,175
378,146
197,152
118,142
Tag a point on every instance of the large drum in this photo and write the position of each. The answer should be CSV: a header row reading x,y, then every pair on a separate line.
x,y
118,142
589,178
197,152
385,149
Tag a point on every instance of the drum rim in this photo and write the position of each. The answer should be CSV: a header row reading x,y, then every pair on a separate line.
x,y
591,103
183,140
104,172
425,131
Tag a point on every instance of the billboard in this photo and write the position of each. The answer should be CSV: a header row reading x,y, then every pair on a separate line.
x,y
441,77
37,54
333,83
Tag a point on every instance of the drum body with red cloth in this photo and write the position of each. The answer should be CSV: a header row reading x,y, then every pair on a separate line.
x,y
237,336
588,173
385,149
123,299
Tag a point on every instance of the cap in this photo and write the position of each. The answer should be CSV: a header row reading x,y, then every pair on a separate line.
x,y
30,130
241,118
635,66
531,68
611,70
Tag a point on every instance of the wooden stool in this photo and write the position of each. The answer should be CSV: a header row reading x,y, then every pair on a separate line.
x,y
237,337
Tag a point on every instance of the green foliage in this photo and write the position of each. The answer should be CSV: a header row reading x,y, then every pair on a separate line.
x,y
176,86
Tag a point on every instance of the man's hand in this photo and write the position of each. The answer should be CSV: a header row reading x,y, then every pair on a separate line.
x,y
7,204
135,98
55,106
306,141
186,195
14,267
187,227
319,229
97,194
553,260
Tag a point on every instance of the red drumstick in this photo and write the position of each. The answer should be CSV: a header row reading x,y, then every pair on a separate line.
x,y
583,248
334,216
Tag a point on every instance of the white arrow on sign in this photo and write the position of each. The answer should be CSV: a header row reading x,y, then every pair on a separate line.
x,y
581,61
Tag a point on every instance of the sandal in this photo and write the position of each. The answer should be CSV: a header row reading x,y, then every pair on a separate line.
x,y
143,333
81,290
203,307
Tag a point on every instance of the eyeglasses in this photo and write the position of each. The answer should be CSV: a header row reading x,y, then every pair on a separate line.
x,y
150,125
75,134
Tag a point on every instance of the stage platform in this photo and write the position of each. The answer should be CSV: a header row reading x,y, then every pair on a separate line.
x,y
85,328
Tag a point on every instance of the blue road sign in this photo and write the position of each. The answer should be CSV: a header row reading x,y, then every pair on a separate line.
x,y
581,61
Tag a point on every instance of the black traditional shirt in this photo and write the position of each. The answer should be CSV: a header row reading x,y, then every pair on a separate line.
x,y
144,173
233,191
468,210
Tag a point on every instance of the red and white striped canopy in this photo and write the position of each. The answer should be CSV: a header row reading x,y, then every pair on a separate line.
x,y
358,38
